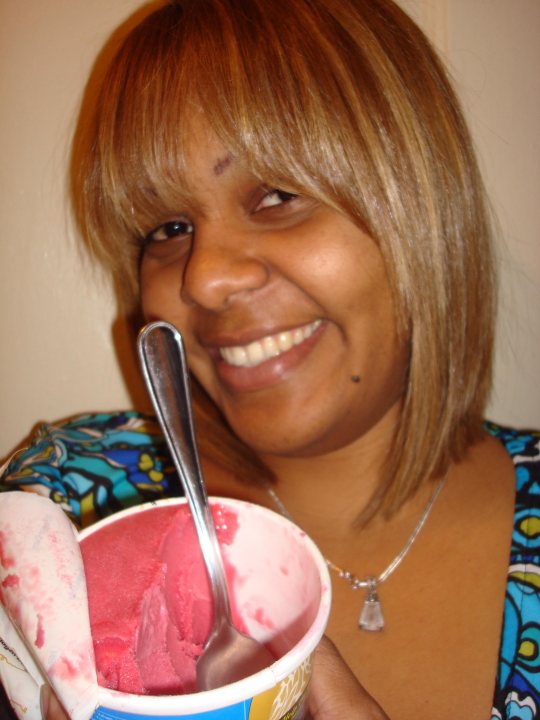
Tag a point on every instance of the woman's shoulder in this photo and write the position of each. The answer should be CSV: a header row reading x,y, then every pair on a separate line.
x,y
93,464
518,442
523,446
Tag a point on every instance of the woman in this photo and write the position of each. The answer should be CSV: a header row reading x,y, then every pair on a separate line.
x,y
293,186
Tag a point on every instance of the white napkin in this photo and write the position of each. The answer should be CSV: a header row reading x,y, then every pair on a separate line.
x,y
44,624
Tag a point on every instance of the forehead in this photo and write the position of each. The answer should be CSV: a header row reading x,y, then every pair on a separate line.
x,y
208,175
210,163
204,152
192,168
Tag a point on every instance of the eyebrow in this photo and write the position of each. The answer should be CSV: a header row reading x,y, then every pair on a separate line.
x,y
222,164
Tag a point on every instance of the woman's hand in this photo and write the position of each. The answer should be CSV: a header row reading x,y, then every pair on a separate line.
x,y
50,707
335,692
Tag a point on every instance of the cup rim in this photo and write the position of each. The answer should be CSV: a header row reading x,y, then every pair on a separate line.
x,y
253,684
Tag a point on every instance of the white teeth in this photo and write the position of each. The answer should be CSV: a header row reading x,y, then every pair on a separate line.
x,y
270,347
255,354
285,341
267,347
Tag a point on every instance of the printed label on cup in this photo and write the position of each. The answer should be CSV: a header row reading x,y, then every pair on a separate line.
x,y
286,701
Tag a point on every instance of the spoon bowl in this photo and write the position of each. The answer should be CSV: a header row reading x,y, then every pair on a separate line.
x,y
229,655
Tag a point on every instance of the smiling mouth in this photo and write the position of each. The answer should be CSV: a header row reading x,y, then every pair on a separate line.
x,y
268,347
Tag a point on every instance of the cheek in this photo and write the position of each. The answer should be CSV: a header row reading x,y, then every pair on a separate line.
x,y
160,291
161,300
357,293
344,266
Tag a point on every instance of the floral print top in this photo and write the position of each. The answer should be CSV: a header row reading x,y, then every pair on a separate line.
x,y
95,465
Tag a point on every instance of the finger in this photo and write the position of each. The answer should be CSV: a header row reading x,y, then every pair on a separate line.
x,y
336,694
50,706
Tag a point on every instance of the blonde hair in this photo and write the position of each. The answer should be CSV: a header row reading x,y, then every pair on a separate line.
x,y
341,100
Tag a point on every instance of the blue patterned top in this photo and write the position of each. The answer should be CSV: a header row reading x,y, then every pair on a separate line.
x,y
95,465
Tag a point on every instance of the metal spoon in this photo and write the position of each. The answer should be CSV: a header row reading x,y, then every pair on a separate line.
x,y
229,655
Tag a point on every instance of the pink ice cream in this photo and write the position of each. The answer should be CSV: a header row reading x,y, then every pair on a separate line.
x,y
149,598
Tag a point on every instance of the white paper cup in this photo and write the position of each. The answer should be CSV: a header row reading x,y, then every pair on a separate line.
x,y
278,571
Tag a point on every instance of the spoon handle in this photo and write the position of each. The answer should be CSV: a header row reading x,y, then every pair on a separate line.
x,y
165,369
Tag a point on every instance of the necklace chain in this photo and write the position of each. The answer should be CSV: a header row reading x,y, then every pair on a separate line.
x,y
371,616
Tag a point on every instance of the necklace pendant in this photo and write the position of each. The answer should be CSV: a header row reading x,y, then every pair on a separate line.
x,y
371,616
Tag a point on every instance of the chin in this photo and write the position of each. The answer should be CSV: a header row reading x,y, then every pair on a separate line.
x,y
290,444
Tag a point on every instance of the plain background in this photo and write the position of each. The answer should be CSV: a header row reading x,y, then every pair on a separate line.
x,y
60,336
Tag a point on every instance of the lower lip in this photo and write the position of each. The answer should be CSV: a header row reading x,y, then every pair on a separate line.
x,y
270,372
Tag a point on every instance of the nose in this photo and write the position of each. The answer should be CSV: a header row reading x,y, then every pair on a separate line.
x,y
223,268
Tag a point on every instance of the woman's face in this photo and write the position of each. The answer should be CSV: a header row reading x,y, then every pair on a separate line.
x,y
283,304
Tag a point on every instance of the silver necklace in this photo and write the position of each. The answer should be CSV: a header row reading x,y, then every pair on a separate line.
x,y
371,617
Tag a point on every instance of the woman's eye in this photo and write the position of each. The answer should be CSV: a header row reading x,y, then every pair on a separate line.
x,y
168,230
275,197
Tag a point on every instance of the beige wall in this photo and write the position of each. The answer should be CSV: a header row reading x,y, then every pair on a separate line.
x,y
57,319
